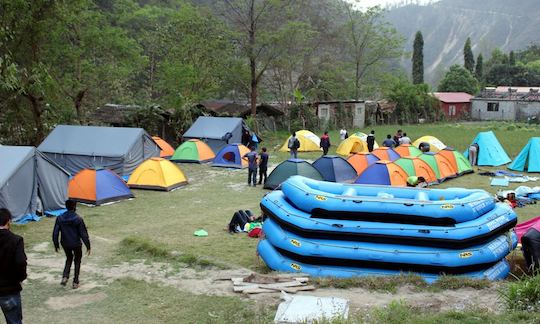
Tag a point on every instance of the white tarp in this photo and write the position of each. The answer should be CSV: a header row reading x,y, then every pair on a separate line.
x,y
307,309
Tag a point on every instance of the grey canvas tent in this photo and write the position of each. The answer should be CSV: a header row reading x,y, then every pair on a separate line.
x,y
26,175
213,131
119,149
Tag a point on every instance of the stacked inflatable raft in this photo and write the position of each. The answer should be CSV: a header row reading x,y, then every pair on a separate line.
x,y
341,230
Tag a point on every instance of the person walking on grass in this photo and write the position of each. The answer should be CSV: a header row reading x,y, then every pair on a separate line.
x,y
72,231
325,143
12,270
252,158
370,140
293,144
263,166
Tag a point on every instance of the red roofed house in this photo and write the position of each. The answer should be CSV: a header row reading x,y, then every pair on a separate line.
x,y
454,105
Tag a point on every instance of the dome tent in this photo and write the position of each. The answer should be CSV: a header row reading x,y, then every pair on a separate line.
x,y
309,142
407,150
529,157
289,168
383,173
157,174
194,151
491,152
360,161
435,145
353,144
335,169
457,160
166,149
417,167
443,168
97,187
385,153
231,157
363,137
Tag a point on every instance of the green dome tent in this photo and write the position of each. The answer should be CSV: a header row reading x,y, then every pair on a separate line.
x,y
287,169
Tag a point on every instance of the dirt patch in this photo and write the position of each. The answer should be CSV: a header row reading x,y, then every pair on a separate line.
x,y
206,282
42,247
73,300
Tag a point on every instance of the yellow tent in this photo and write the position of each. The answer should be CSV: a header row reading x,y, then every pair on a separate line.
x,y
158,174
308,142
363,137
435,145
353,144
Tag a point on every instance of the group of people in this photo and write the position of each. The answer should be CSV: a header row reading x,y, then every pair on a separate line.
x,y
400,138
69,232
256,162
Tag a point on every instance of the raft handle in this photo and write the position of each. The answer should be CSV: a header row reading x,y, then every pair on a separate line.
x,y
357,201
425,231
408,204
338,225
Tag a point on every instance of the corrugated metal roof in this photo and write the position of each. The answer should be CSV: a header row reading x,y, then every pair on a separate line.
x,y
516,89
453,97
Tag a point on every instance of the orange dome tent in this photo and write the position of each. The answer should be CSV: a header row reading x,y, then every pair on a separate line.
x,y
385,153
407,150
417,167
383,173
166,150
193,150
360,161
98,187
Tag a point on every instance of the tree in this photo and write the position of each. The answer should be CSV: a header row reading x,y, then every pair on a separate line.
x,y
458,79
418,59
512,58
370,40
90,59
256,23
468,56
479,70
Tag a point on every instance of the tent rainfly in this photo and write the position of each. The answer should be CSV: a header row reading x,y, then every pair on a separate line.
x,y
166,149
119,149
309,142
435,144
27,176
287,169
97,187
490,151
217,132
157,174
335,169
529,157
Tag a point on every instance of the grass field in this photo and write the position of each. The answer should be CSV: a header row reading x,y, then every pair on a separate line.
x,y
148,267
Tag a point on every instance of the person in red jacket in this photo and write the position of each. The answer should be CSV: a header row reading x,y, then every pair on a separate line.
x,y
72,231
12,270
325,143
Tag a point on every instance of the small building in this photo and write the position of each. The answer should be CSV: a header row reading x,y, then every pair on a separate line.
x,y
454,105
507,103
353,111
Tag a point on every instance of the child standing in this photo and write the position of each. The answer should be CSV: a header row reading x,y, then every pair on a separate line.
x,y
263,166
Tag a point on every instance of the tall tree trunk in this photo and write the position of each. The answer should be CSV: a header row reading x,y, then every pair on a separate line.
x,y
37,112
253,65
77,101
357,80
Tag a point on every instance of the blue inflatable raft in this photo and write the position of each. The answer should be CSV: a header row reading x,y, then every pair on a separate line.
x,y
463,235
277,261
390,256
386,204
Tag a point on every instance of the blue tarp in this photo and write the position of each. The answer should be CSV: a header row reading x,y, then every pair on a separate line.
x,y
529,157
491,152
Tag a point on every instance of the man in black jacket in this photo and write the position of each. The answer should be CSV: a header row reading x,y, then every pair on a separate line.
x,y
73,230
12,270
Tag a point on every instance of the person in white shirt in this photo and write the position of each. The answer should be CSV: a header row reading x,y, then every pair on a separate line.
x,y
342,133
404,139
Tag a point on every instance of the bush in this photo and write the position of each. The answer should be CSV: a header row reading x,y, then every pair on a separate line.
x,y
523,295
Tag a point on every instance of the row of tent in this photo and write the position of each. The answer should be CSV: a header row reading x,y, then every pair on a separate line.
x,y
383,166
491,152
